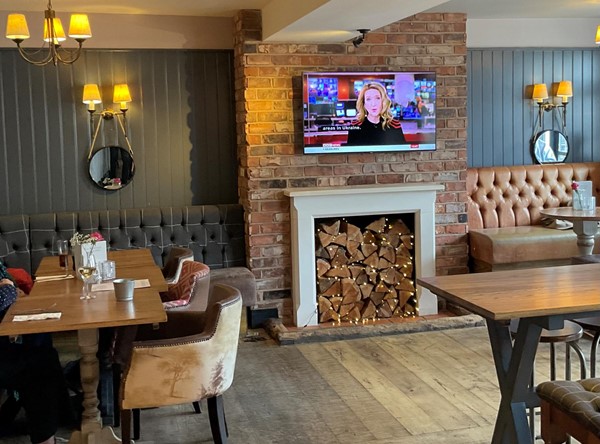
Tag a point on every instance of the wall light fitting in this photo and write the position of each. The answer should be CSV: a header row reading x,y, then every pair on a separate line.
x,y
598,35
563,91
91,97
54,34
356,41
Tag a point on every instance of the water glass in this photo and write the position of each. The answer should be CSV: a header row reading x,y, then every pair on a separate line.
x,y
108,270
62,246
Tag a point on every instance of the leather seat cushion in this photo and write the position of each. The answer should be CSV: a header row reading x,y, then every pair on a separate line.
x,y
523,244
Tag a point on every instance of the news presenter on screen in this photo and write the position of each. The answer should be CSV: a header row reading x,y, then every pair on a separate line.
x,y
375,124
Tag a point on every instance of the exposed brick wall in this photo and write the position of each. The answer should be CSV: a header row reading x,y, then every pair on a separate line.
x,y
269,129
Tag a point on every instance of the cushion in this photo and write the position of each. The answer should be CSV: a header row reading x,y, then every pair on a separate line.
x,y
179,295
22,279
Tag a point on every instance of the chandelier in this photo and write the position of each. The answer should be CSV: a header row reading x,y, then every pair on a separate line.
x,y
54,35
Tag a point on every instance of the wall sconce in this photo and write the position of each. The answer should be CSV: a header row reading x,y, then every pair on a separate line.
x,y
91,97
540,95
598,35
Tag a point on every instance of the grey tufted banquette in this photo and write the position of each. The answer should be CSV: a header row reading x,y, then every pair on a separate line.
x,y
215,233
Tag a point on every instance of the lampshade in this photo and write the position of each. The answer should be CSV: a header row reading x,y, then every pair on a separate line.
x,y
91,93
16,27
79,27
565,89
59,32
121,95
540,92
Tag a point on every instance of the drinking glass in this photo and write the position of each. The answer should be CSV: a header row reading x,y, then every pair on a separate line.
x,y
87,270
62,246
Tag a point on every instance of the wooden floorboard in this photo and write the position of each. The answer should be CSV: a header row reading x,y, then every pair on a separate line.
x,y
432,387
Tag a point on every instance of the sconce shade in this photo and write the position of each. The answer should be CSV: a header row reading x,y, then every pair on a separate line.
x,y
565,89
79,28
598,35
121,95
16,27
540,92
59,32
91,93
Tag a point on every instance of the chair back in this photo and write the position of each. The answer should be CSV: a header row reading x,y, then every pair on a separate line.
x,y
191,290
174,262
186,369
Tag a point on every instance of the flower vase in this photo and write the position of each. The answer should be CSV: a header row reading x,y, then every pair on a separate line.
x,y
98,250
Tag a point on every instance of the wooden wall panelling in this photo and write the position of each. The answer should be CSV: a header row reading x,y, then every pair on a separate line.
x,y
501,114
44,130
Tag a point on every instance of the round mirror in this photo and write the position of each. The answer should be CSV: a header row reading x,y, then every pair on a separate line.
x,y
111,167
550,146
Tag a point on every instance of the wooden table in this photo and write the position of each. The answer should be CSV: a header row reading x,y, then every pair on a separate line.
x,y
585,224
540,298
86,316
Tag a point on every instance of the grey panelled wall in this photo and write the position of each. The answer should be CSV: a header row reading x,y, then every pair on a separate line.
x,y
181,127
501,114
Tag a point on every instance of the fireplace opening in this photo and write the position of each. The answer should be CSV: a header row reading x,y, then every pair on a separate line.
x,y
365,268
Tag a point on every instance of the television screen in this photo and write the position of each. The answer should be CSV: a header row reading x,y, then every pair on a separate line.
x,y
352,112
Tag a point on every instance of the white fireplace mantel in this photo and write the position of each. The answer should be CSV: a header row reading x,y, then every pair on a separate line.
x,y
308,204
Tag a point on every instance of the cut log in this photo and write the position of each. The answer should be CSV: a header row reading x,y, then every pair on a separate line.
x,y
391,276
325,283
336,301
334,290
369,238
342,272
328,315
325,238
340,239
407,240
366,290
387,253
377,298
333,228
322,252
391,294
345,309
340,258
356,270
372,261
384,310
368,248
373,275
357,257
368,310
352,246
393,239
362,278
350,290
354,233
384,263
398,227
377,226
324,304
381,287
403,297
354,314
406,285
322,267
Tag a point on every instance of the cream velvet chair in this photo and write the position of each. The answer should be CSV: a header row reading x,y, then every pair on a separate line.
x,y
192,357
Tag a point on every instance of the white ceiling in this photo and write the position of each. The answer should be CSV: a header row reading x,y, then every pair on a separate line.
x,y
322,20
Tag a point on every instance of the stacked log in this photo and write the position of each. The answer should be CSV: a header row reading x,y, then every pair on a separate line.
x,y
366,273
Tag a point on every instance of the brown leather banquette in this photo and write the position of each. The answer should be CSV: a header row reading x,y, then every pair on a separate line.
x,y
505,225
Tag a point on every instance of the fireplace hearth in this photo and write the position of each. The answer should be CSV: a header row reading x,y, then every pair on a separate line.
x,y
309,204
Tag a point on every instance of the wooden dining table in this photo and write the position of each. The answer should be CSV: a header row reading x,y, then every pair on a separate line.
x,y
57,292
540,298
585,225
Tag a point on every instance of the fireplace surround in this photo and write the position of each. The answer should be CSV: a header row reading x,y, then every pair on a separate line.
x,y
308,204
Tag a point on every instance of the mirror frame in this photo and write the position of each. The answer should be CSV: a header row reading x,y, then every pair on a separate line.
x,y
546,146
105,179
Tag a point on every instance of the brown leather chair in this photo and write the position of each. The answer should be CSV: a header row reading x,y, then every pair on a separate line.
x,y
192,356
191,290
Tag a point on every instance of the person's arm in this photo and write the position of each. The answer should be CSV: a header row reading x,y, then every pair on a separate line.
x,y
8,295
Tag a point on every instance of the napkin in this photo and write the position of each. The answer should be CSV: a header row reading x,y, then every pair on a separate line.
x,y
37,316
108,286
58,277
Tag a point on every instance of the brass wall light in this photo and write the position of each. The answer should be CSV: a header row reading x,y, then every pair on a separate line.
x,y
598,35
563,91
91,97
54,35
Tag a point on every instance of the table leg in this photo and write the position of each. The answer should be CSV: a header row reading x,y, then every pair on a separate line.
x,y
585,231
514,367
91,424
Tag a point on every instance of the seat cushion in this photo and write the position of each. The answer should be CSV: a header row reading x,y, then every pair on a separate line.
x,y
523,244
237,277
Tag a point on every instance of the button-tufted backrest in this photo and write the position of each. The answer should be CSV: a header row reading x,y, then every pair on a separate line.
x,y
514,195
215,233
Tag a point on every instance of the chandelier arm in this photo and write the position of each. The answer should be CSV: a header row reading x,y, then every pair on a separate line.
x,y
28,56
124,118
95,136
75,53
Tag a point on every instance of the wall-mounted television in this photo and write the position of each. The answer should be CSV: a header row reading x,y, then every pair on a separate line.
x,y
354,112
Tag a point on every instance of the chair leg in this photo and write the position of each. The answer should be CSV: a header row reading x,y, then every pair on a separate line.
x,y
136,424
126,426
216,414
593,354
581,356
197,407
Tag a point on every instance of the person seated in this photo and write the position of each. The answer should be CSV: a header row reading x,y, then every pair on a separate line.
x,y
34,372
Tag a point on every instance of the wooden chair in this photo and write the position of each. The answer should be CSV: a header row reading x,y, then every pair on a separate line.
x,y
191,357
570,409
